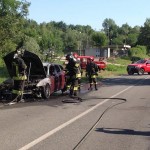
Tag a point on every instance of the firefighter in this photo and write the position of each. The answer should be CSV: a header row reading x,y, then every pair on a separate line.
x,y
19,76
72,73
92,73
80,71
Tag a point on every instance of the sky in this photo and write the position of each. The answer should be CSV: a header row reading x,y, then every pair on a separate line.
x,y
90,12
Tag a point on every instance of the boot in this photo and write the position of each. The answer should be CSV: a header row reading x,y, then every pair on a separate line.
x,y
90,88
71,93
96,87
75,93
79,89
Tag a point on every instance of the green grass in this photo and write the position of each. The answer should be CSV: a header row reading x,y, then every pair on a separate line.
x,y
120,60
115,71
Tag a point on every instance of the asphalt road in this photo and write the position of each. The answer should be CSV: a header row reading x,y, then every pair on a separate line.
x,y
110,122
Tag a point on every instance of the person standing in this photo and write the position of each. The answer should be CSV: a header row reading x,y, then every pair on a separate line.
x,y
92,73
80,71
19,76
72,73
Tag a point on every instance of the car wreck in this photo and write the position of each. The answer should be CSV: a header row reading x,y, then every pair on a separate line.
x,y
42,78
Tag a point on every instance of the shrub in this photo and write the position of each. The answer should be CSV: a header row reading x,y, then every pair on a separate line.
x,y
138,51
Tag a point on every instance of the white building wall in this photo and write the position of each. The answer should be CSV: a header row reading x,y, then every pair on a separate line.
x,y
93,52
96,52
108,54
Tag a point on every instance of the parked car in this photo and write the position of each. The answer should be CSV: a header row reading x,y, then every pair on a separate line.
x,y
43,79
140,67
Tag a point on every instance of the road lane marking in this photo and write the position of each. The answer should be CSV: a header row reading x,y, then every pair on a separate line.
x,y
48,134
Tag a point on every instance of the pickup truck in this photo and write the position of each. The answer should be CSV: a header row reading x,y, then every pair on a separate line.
x,y
139,67
83,61
101,65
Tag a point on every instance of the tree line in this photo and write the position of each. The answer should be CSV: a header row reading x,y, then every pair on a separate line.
x,y
16,30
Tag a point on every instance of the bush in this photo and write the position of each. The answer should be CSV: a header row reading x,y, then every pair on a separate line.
x,y
135,58
138,51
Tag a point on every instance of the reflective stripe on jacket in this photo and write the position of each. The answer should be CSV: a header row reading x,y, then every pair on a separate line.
x,y
78,75
20,77
17,92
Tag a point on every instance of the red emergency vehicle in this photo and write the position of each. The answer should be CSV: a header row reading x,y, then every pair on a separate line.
x,y
140,67
83,61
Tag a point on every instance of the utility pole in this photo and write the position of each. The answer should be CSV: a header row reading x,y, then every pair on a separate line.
x,y
108,35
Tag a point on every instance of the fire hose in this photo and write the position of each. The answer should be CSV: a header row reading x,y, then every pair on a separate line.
x,y
98,120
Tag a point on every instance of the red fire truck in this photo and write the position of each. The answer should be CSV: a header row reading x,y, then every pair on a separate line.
x,y
83,60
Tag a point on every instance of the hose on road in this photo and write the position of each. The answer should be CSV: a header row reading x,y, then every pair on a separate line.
x,y
98,120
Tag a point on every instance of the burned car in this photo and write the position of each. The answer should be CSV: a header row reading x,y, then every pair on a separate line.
x,y
43,79
57,76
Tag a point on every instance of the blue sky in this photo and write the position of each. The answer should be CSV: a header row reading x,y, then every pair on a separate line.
x,y
90,12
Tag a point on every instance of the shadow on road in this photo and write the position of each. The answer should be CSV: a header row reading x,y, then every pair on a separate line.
x,y
123,131
127,80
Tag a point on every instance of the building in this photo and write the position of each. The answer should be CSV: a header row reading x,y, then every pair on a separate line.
x,y
97,52
106,52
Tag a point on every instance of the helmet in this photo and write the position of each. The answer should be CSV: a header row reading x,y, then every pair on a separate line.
x,y
19,53
69,57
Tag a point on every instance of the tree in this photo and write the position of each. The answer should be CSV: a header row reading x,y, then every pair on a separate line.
x,y
144,36
70,41
132,39
111,29
124,31
99,39
133,35
31,45
12,13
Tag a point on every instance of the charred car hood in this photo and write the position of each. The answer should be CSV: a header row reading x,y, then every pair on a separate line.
x,y
33,62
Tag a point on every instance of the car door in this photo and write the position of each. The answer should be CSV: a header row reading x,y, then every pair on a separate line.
x,y
59,78
52,77
62,77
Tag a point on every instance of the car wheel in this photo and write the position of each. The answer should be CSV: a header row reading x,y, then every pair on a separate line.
x,y
141,71
149,73
46,91
130,72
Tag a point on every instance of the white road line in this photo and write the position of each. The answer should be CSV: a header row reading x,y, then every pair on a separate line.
x,y
48,134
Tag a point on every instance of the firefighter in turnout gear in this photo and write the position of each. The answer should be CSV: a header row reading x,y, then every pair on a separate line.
x,y
92,73
72,73
19,76
80,71
79,74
